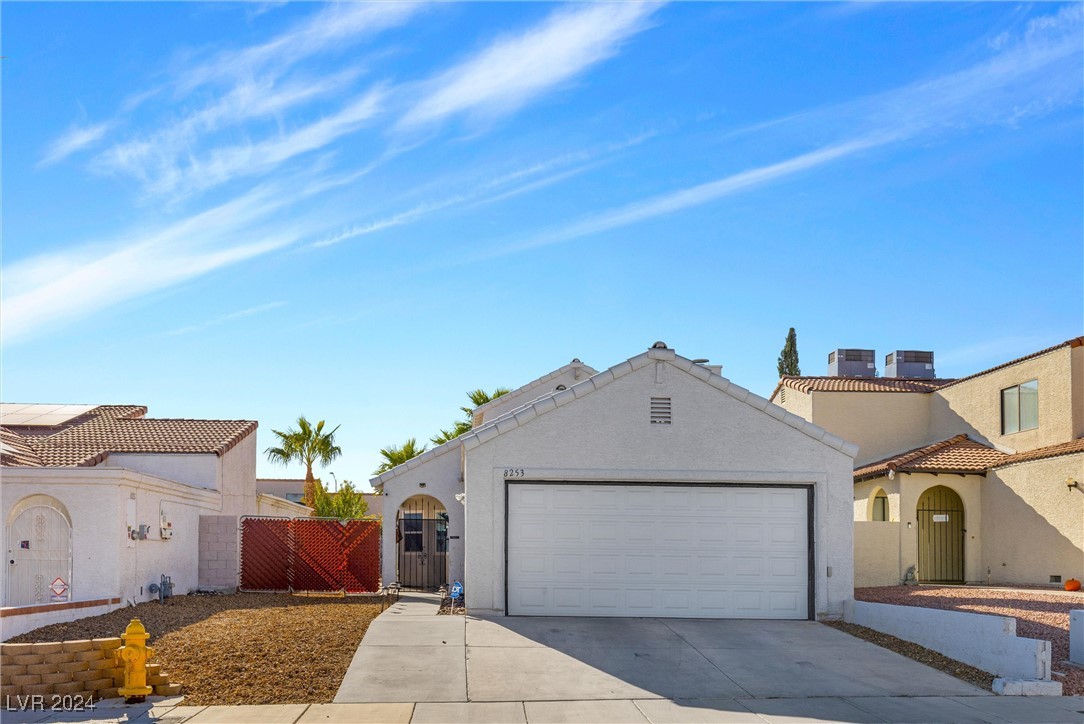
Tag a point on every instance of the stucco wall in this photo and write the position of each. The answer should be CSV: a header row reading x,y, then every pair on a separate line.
x,y
865,491
267,504
880,423
441,477
238,478
105,563
876,554
1030,502
974,407
970,489
1077,389
607,435
193,469
800,403
143,562
280,487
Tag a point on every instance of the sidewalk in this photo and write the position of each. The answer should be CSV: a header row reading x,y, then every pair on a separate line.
x,y
644,711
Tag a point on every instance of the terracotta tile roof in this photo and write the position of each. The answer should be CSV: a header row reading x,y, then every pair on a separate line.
x,y
89,439
15,451
1051,451
958,454
859,384
1074,342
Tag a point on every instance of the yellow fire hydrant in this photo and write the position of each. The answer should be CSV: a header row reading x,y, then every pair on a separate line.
x,y
134,655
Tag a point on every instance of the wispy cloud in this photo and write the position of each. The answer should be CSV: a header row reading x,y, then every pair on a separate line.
x,y
48,290
505,186
74,139
1033,77
334,28
156,158
253,82
514,70
694,196
223,164
226,318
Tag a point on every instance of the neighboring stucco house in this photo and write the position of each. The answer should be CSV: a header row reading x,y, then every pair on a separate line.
x,y
653,488
108,500
977,479
293,489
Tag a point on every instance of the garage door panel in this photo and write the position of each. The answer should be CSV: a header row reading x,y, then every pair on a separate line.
x,y
613,550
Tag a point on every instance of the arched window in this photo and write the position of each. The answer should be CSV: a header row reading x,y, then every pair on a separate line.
x,y
880,506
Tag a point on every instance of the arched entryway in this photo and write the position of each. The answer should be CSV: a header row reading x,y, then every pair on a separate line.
x,y
39,561
941,531
422,538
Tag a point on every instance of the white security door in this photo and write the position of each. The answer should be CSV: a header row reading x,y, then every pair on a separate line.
x,y
39,553
658,550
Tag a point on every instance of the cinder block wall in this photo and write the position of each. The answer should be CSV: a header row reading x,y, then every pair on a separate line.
x,y
218,552
84,668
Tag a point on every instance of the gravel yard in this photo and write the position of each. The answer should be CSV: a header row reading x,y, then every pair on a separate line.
x,y
244,648
1038,614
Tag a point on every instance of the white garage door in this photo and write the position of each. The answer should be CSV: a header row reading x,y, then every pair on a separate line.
x,y
657,550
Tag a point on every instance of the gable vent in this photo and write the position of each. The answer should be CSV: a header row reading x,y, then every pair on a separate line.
x,y
660,410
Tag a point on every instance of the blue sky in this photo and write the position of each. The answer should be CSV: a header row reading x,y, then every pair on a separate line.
x,y
358,212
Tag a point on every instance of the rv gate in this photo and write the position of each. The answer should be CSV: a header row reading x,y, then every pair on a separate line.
x,y
317,555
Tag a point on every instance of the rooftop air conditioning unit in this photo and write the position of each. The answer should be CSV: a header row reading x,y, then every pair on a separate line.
x,y
852,363
910,364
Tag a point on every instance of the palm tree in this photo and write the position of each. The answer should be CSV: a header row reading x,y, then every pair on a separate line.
x,y
480,397
458,428
307,445
398,454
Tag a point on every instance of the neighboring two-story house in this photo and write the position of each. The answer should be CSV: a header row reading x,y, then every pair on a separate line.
x,y
977,479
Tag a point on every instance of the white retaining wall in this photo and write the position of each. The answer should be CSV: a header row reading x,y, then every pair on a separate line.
x,y
987,642
1076,636
15,625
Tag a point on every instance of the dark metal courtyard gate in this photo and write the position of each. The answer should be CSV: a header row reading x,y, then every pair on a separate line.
x,y
940,536
310,554
423,551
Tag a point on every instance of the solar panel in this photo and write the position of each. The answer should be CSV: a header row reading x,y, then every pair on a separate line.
x,y
27,415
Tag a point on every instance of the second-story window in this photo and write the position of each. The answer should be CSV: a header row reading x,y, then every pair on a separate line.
x,y
1020,407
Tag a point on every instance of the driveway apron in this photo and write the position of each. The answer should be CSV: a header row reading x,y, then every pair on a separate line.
x,y
410,654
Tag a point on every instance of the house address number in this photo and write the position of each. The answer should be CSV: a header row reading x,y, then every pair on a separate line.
x,y
513,472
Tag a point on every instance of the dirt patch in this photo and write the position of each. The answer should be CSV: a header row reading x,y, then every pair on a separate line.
x,y
977,677
244,648
1039,615
447,608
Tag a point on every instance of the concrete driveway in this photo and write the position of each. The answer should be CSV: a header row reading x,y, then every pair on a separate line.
x,y
411,655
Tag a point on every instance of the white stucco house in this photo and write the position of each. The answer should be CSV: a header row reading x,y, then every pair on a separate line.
x,y
653,488
99,502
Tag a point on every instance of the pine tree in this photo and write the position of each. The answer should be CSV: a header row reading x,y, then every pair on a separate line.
x,y
788,358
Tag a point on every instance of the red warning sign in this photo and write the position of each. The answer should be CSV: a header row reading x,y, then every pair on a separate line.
x,y
59,587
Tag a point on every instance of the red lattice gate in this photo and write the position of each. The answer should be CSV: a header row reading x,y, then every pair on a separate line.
x,y
310,554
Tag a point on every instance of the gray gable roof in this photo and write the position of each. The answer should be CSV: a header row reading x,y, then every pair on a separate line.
x,y
572,366
551,401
